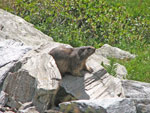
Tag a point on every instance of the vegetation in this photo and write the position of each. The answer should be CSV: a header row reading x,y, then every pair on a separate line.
x,y
121,23
111,68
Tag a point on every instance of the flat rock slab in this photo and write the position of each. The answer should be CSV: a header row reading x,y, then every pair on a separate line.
x,y
102,85
98,84
16,28
10,52
43,68
19,86
33,81
3,98
135,89
114,52
113,105
108,105
142,105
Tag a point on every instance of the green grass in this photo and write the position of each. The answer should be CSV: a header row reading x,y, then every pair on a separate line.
x,y
134,7
121,23
139,68
111,67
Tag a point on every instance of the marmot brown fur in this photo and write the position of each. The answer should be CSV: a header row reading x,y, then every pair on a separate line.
x,y
72,60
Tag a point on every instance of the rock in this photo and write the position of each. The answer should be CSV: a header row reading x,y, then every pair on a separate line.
x,y
37,76
16,84
16,28
135,89
114,52
7,110
121,71
142,105
142,108
26,105
99,58
3,98
35,73
27,108
108,105
133,94
53,111
97,85
10,52
111,105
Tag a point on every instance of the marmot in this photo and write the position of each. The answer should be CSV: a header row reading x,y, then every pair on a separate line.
x,y
72,60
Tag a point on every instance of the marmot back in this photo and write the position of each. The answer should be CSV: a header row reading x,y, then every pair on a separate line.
x,y
72,60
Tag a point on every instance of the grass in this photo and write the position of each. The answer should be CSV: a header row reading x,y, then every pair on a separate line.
x,y
139,68
134,7
111,67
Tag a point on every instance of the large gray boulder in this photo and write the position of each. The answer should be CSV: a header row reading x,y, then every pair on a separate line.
x,y
31,77
123,96
113,105
114,52
107,105
35,80
135,89
16,28
142,105
10,52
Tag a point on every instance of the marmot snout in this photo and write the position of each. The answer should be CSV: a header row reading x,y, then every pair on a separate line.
x,y
72,60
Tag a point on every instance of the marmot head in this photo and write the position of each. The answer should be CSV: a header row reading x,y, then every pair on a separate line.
x,y
85,51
